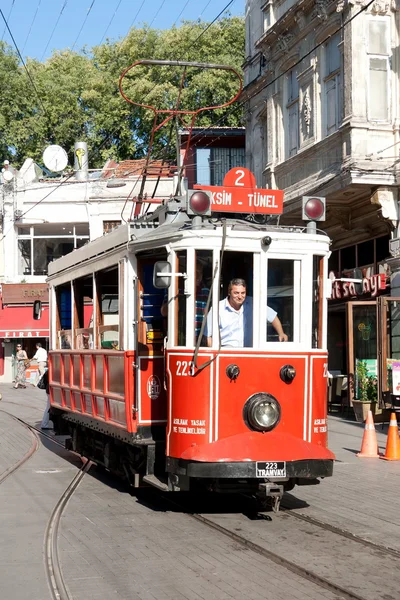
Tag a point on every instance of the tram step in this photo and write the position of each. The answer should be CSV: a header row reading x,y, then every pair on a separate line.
x,y
153,480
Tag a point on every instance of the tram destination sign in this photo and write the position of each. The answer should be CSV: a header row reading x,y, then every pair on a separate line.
x,y
240,194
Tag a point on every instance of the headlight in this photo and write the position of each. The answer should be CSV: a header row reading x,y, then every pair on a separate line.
x,y
262,412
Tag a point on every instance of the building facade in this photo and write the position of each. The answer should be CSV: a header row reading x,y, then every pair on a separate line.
x,y
43,218
322,94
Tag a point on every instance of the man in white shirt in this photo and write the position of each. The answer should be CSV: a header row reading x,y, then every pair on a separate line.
x,y
41,359
236,318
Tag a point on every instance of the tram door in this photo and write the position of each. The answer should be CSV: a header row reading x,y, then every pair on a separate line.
x,y
363,347
151,329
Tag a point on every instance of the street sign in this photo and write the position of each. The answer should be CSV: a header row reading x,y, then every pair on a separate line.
x,y
240,194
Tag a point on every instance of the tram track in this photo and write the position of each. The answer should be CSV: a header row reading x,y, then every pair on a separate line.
x,y
34,447
341,532
54,573
53,569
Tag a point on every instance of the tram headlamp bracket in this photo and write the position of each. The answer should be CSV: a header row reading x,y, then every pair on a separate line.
x,y
261,412
266,241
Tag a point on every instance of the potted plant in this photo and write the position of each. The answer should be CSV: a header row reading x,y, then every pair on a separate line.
x,y
365,393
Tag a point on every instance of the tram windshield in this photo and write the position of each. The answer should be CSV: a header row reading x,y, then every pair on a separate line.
x,y
280,298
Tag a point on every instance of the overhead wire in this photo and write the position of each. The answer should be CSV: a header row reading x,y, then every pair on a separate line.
x,y
84,23
54,28
283,73
23,62
110,22
180,14
157,13
8,18
31,25
108,137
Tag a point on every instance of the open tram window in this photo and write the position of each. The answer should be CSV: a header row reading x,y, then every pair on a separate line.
x,y
235,314
107,284
316,339
203,285
153,323
83,313
280,298
180,306
64,316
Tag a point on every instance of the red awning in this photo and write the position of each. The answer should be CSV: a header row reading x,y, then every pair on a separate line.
x,y
18,322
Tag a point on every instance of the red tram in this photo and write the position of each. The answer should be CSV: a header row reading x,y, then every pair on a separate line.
x,y
144,395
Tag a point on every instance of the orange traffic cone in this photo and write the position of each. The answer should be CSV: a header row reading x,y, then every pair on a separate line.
x,y
392,451
369,445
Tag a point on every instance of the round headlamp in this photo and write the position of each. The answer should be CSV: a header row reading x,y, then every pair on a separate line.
x,y
262,412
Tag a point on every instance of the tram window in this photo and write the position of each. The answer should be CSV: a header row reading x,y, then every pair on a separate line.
x,y
280,296
64,316
108,303
236,330
151,300
316,339
203,283
180,306
83,311
237,265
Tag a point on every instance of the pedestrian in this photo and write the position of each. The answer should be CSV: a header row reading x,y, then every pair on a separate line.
x,y
22,362
236,318
46,423
41,359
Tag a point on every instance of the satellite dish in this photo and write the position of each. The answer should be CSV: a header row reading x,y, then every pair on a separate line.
x,y
7,175
55,158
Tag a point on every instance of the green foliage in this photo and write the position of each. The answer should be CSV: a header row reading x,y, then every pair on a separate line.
x,y
80,99
367,387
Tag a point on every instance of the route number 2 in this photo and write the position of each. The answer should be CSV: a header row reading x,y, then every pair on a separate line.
x,y
184,368
240,175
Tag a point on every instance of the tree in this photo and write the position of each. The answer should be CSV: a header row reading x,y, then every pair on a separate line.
x,y
76,96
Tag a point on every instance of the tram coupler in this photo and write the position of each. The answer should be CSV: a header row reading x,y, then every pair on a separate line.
x,y
273,492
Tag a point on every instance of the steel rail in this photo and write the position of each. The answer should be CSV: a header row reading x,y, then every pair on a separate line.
x,y
280,561
277,559
342,532
54,573
27,456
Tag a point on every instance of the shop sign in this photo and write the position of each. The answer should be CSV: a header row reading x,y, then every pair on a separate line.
x,y
24,334
24,293
348,289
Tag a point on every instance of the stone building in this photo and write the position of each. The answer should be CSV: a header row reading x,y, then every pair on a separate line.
x,y
322,96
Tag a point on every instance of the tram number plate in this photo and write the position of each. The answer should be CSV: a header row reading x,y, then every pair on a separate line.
x,y
271,469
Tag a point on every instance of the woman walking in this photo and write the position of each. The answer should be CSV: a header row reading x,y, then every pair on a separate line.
x,y
22,363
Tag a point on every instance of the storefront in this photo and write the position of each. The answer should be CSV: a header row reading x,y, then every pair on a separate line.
x,y
17,325
357,336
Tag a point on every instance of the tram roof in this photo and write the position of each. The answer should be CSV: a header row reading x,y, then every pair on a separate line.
x,y
141,232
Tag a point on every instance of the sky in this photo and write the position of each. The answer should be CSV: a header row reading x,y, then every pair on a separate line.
x,y
41,26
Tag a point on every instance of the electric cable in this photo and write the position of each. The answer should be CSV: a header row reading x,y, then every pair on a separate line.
x,y
31,25
176,20
25,67
110,22
54,28
157,13
8,18
137,14
84,23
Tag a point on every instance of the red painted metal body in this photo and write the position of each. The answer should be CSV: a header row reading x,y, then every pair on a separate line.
x,y
206,411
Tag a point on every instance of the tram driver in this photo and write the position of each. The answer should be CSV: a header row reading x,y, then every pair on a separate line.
x,y
236,318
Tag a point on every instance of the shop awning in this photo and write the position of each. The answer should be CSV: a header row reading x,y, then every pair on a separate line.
x,y
18,322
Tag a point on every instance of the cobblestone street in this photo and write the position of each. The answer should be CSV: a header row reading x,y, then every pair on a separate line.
x,y
115,545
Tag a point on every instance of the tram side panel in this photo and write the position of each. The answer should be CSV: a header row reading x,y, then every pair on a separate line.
x,y
98,386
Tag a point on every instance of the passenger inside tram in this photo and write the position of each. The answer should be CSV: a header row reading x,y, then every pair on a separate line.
x,y
236,318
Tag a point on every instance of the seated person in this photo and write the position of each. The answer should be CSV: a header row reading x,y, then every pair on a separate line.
x,y
236,318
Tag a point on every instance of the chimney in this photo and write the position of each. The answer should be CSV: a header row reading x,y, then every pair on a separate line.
x,y
81,163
